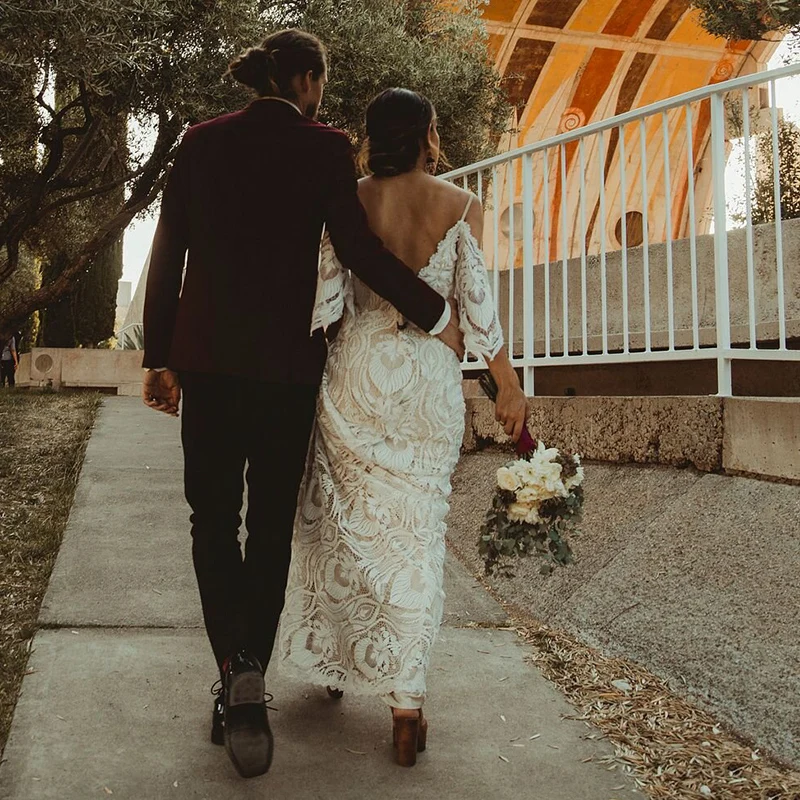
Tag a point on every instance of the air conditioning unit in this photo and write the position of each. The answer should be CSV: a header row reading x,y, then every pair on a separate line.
x,y
46,367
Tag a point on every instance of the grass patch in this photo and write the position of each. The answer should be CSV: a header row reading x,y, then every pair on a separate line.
x,y
42,443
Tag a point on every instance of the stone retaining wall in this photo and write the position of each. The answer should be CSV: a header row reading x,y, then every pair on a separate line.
x,y
736,435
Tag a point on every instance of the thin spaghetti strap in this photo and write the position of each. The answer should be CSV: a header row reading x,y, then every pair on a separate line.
x,y
469,204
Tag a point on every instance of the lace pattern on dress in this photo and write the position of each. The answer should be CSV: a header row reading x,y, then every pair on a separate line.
x,y
334,288
364,599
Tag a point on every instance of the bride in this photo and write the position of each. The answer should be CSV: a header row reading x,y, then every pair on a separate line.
x,y
364,599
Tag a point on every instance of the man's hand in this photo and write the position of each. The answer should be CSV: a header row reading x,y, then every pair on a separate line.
x,y
332,331
452,335
162,391
511,409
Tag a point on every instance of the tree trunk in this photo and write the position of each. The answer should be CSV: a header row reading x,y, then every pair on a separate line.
x,y
87,316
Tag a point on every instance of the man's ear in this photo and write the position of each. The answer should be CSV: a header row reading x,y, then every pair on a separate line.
x,y
305,81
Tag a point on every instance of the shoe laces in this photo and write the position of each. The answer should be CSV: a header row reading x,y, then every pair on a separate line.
x,y
218,689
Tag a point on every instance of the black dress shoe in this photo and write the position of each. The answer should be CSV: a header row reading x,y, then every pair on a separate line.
x,y
218,714
336,694
248,739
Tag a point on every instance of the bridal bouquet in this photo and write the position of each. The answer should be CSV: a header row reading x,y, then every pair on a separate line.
x,y
536,504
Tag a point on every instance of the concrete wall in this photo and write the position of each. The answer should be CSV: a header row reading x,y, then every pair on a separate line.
x,y
751,435
121,370
766,293
118,370
736,435
762,438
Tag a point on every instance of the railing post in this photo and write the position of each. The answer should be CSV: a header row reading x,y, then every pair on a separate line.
x,y
721,284
527,271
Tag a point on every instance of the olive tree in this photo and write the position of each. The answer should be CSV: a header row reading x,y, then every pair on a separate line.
x,y
159,65
763,209
748,19
428,46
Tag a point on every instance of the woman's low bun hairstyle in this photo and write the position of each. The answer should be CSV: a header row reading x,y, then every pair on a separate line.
x,y
398,121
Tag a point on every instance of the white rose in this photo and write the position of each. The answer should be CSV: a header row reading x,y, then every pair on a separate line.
x,y
517,512
547,476
532,517
545,453
508,480
529,495
575,480
518,468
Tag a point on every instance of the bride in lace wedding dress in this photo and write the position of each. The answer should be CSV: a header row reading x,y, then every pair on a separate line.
x,y
364,599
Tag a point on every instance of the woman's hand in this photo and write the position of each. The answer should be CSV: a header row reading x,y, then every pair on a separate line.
x,y
511,405
511,408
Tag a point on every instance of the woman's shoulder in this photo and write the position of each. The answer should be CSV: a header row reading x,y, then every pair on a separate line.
x,y
453,199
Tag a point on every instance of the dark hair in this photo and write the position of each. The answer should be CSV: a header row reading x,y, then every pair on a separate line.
x,y
397,126
270,67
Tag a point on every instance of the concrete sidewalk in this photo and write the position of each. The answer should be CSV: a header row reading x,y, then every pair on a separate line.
x,y
116,700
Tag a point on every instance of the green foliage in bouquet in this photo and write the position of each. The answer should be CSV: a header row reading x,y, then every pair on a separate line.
x,y
514,530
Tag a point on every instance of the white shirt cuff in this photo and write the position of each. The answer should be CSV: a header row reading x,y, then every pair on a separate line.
x,y
156,369
443,322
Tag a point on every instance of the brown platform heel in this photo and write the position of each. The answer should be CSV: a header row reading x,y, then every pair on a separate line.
x,y
409,734
422,737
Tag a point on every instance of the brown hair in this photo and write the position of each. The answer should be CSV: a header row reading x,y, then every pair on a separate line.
x,y
398,121
270,67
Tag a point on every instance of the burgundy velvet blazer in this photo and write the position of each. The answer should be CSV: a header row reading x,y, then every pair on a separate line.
x,y
247,198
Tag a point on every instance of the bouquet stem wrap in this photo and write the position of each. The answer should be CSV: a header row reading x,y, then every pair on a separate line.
x,y
526,444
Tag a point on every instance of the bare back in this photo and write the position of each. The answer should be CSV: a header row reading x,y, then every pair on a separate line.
x,y
412,213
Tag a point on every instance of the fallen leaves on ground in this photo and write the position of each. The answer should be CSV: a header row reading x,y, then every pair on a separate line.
x,y
670,748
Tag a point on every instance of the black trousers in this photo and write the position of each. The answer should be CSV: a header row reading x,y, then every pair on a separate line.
x,y
229,424
7,370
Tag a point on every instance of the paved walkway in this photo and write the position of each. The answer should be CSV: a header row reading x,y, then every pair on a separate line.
x,y
116,702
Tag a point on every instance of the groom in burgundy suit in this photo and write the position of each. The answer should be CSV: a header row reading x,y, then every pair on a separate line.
x,y
247,199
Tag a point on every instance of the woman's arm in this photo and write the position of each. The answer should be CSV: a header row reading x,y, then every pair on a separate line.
x,y
511,406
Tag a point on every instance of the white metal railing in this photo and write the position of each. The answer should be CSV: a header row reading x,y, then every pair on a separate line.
x,y
595,238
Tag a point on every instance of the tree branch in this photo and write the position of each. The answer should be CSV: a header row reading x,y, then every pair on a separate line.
x,y
80,151
9,267
65,282
152,177
53,137
45,84
86,194
169,128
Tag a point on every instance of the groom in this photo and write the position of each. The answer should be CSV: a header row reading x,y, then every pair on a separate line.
x,y
247,199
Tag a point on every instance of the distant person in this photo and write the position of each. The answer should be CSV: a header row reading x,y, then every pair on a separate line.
x,y
9,362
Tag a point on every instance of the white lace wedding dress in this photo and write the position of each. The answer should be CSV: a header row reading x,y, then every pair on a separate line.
x,y
364,598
